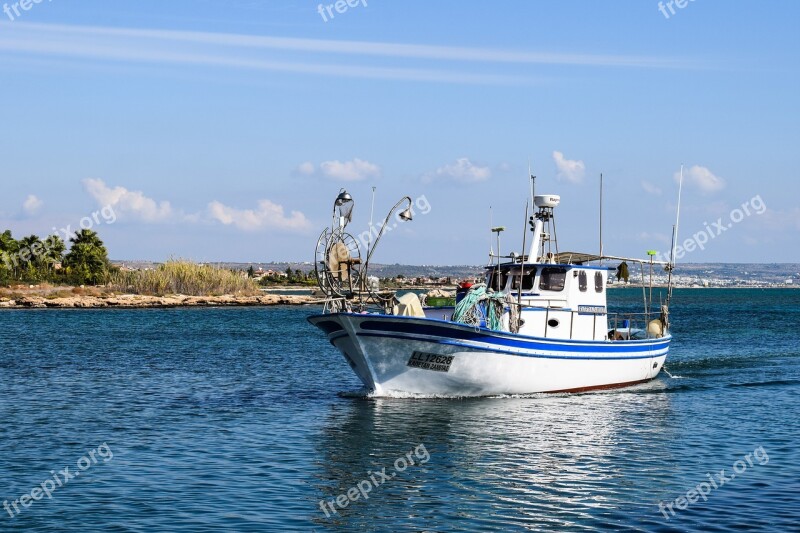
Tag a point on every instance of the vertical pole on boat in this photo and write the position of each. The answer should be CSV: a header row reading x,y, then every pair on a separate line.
x,y
369,246
651,253
498,230
522,267
601,218
675,238
644,289
533,182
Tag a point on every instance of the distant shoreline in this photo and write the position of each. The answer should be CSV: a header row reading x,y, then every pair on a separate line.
x,y
138,301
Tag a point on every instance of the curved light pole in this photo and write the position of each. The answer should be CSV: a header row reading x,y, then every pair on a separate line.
x,y
405,215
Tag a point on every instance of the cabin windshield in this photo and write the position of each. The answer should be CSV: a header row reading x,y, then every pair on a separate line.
x,y
553,279
495,281
527,279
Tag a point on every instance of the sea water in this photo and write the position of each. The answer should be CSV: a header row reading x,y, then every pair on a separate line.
x,y
246,419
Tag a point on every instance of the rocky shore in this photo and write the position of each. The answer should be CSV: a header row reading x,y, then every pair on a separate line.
x,y
131,301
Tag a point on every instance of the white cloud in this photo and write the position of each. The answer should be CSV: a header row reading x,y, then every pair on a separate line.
x,y
568,169
268,215
701,178
355,170
306,169
464,170
651,189
31,205
126,202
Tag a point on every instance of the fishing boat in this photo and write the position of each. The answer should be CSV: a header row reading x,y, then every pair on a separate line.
x,y
537,321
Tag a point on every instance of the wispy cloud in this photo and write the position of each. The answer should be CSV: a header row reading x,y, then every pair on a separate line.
x,y
262,53
463,170
569,169
702,178
268,215
31,205
127,202
355,170
649,188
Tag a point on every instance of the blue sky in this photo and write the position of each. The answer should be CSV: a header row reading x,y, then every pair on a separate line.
x,y
224,130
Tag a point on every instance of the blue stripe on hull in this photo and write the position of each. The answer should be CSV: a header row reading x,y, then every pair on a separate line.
x,y
447,333
453,331
652,353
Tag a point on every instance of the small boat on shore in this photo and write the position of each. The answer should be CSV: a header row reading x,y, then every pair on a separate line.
x,y
539,322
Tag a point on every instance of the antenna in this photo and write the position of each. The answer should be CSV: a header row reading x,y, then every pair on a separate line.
x,y
677,219
522,268
533,180
675,237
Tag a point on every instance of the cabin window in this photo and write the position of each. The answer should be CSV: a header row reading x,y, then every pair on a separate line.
x,y
527,280
553,279
496,282
598,282
582,281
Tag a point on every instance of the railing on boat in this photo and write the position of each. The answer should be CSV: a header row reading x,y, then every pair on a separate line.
x,y
620,324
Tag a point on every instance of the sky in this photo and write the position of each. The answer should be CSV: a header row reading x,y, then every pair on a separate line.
x,y
223,131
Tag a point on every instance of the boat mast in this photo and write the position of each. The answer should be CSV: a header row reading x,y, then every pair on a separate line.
x,y
533,184
498,230
522,266
674,239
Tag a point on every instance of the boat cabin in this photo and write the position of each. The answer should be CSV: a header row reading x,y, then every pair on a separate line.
x,y
561,301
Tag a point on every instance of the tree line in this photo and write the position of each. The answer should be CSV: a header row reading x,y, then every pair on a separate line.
x,y
33,260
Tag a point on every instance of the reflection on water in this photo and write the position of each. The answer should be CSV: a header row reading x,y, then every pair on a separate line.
x,y
547,461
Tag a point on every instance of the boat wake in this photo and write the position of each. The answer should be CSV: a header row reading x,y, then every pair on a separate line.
x,y
670,375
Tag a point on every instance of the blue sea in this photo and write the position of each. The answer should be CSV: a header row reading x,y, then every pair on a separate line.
x,y
246,419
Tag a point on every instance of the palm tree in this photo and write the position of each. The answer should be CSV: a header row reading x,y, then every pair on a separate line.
x,y
87,260
9,248
8,253
31,254
54,250
31,250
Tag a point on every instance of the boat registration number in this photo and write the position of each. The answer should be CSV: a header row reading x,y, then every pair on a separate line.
x,y
430,361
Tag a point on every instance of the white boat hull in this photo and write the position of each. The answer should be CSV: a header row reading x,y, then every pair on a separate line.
x,y
434,357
